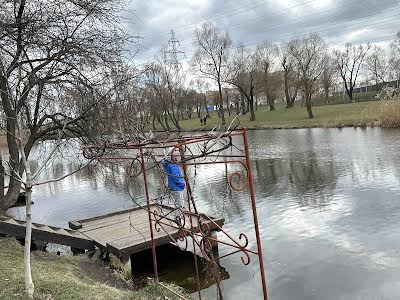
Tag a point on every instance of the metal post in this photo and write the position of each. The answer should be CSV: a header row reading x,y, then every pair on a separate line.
x,y
153,243
255,218
189,197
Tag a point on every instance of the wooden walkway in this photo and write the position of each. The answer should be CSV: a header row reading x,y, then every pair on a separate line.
x,y
127,232
51,234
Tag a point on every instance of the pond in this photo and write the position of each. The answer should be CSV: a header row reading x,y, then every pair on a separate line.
x,y
328,204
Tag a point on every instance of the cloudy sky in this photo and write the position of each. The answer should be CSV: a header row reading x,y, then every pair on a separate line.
x,y
253,21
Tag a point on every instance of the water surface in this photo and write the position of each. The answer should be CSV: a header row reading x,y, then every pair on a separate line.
x,y
328,206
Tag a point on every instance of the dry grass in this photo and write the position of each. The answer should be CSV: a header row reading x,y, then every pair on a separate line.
x,y
3,140
389,113
61,278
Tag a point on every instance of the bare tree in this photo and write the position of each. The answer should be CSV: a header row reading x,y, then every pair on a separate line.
x,y
328,76
377,64
348,63
266,55
211,57
309,53
290,75
47,50
202,88
394,61
242,75
168,83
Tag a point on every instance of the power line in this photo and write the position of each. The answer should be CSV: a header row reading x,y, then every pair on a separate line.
x,y
264,15
324,28
350,12
328,27
236,11
299,34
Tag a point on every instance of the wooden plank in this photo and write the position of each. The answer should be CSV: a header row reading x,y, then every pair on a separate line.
x,y
145,233
130,245
89,226
74,225
107,234
18,230
110,214
133,247
126,215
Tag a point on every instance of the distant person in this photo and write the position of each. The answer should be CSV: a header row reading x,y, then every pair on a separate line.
x,y
176,186
203,120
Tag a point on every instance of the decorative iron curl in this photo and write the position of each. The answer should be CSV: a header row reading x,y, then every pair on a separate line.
x,y
92,152
182,236
205,247
243,181
133,169
157,225
204,227
246,258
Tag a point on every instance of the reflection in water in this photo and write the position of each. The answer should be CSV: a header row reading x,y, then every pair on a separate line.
x,y
328,208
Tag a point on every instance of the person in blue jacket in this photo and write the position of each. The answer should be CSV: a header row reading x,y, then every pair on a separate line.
x,y
176,185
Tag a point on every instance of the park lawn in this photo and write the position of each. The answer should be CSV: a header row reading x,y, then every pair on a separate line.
x,y
72,278
341,115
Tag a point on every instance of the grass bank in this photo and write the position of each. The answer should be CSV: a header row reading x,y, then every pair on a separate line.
x,y
342,115
72,278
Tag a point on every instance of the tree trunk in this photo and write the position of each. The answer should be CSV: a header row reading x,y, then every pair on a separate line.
x,y
242,104
251,106
287,96
198,110
153,122
205,105
166,121
309,105
2,181
227,103
327,95
272,105
159,119
237,107
221,105
29,286
292,98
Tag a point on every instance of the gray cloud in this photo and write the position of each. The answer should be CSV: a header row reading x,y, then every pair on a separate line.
x,y
252,22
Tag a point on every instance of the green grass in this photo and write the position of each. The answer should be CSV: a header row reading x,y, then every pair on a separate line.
x,y
63,278
340,99
353,114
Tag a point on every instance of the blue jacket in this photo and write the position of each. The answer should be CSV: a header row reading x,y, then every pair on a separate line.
x,y
176,182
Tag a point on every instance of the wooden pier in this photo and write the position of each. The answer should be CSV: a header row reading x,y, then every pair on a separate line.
x,y
127,232
121,233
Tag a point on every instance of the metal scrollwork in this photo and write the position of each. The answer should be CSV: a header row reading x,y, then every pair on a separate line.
x,y
246,258
237,181
135,168
92,152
